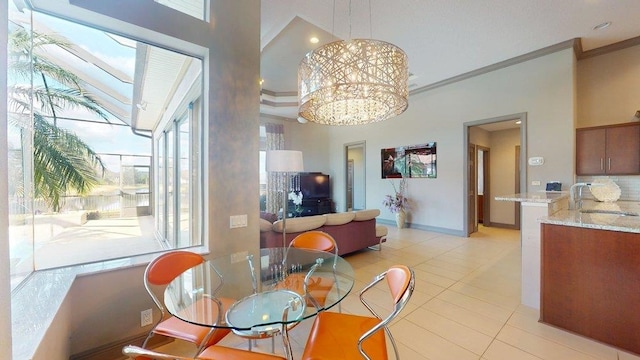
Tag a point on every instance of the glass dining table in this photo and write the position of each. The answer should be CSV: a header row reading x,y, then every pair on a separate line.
x,y
260,297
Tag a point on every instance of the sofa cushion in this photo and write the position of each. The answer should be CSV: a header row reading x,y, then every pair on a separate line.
x,y
368,214
265,225
270,217
300,224
381,231
339,218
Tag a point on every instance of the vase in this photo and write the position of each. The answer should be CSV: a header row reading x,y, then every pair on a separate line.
x,y
400,219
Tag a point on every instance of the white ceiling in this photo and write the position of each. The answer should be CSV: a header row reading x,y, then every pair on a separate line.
x,y
442,38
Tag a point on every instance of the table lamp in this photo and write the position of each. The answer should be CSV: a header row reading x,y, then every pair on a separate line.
x,y
287,162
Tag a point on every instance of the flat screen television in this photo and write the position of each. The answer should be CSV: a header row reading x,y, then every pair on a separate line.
x,y
315,186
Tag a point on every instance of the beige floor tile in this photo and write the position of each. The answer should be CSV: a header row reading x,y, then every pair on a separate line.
x,y
433,278
428,344
530,324
627,356
472,319
508,302
450,330
538,346
481,307
501,351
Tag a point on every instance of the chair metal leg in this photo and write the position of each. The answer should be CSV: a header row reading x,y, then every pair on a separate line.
x,y
379,246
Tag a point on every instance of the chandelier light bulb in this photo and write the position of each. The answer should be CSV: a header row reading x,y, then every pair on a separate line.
x,y
352,83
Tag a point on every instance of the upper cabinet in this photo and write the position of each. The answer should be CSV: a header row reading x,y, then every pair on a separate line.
x,y
608,150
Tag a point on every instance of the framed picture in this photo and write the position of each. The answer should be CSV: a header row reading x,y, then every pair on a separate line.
x,y
415,161
393,163
421,160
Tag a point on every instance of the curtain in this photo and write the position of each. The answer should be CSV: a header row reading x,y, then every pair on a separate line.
x,y
275,181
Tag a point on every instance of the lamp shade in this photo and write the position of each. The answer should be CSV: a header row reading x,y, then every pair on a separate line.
x,y
284,161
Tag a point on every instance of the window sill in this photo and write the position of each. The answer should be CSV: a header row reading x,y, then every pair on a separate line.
x,y
36,302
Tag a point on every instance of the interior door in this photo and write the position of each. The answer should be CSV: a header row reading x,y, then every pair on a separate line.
x,y
486,187
355,176
472,225
350,185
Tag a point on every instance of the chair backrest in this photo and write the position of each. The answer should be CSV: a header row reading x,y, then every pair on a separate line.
x,y
315,240
401,282
163,269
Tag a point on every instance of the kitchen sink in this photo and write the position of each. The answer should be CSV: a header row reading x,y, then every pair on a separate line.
x,y
611,212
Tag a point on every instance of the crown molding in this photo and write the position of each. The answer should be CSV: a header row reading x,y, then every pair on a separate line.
x,y
620,45
500,65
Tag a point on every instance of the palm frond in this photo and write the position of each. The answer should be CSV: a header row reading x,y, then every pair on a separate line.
x,y
62,161
67,99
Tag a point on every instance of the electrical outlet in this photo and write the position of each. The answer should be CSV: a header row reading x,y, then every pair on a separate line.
x,y
146,317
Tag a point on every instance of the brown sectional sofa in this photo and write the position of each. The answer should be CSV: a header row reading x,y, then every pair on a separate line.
x,y
353,231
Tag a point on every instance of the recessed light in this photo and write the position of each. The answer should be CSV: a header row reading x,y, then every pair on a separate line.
x,y
518,122
604,25
314,40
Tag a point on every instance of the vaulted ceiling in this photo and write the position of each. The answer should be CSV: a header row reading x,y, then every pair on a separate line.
x,y
442,38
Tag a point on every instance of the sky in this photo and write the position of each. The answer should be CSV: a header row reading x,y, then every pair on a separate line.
x,y
116,51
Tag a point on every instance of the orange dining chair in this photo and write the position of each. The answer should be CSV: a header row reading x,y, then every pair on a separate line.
x,y
214,352
159,273
316,288
346,336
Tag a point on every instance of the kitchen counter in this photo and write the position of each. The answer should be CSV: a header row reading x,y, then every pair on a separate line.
x,y
612,222
543,197
589,281
533,206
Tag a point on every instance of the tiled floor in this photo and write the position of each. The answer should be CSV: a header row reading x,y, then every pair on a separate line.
x,y
466,303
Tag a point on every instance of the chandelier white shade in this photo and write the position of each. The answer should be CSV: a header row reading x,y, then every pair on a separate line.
x,y
353,82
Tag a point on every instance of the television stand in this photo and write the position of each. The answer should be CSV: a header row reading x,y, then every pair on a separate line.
x,y
311,207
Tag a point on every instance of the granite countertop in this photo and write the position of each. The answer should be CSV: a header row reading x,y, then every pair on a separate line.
x,y
612,222
546,197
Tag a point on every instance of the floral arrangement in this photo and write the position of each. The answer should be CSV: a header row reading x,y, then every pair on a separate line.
x,y
397,201
296,198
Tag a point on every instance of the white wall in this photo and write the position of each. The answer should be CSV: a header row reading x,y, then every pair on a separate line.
x,y
543,88
609,88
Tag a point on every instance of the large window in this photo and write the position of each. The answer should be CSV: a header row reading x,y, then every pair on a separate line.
x,y
178,172
104,145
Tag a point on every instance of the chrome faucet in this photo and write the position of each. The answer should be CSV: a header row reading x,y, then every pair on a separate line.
x,y
577,202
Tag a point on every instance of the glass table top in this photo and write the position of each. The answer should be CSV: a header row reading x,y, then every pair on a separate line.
x,y
250,293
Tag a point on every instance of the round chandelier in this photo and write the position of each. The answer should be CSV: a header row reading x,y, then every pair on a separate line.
x,y
353,82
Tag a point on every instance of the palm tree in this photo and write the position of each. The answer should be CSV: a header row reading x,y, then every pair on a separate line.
x,y
62,162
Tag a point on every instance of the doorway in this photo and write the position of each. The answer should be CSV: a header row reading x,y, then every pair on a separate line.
x,y
355,178
484,193
490,147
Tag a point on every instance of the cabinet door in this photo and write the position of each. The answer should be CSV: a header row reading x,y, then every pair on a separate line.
x,y
590,151
623,150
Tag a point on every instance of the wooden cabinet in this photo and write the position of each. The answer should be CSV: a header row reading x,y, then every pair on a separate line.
x,y
608,150
589,283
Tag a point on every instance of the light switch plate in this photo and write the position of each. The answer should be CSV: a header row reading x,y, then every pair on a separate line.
x,y
536,160
237,221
